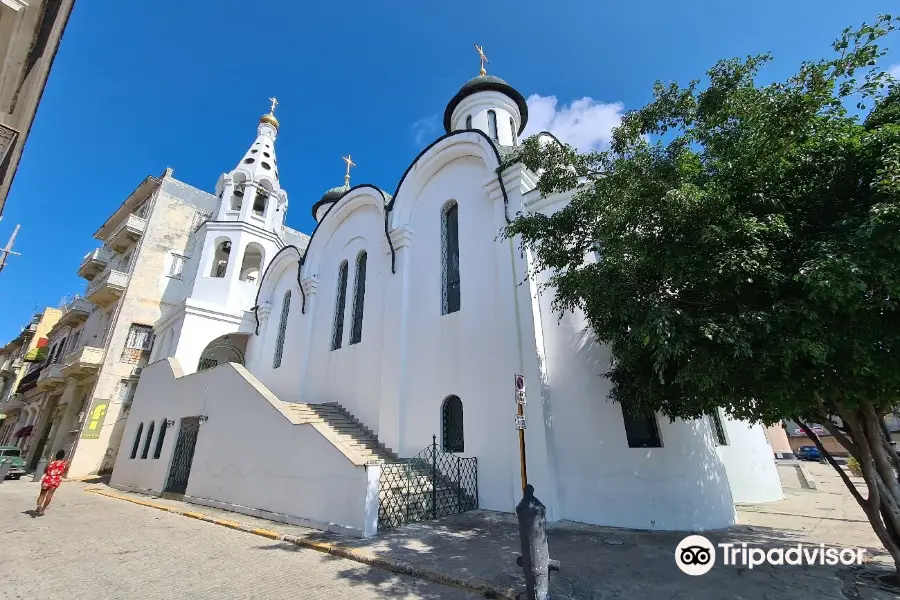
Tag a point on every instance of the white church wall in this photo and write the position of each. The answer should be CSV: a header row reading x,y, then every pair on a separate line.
x,y
267,473
456,354
198,329
282,380
749,462
351,374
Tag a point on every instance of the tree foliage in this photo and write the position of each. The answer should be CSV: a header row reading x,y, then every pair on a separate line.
x,y
749,250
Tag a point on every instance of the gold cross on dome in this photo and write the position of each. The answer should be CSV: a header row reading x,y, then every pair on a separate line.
x,y
484,58
274,102
350,163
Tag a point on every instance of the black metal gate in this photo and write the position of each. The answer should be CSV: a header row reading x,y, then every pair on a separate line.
x,y
180,468
430,485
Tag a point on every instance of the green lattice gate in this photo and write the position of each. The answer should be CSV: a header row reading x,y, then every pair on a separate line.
x,y
430,485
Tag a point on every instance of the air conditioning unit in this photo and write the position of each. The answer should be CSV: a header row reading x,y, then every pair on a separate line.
x,y
137,371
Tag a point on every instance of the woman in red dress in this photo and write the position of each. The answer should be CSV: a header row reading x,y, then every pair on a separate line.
x,y
50,481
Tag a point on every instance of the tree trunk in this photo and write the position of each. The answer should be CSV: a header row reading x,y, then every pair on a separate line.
x,y
865,442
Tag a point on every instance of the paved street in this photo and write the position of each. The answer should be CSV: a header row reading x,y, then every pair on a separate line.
x,y
91,547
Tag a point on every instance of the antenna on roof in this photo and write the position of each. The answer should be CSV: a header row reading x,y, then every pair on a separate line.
x,y
5,252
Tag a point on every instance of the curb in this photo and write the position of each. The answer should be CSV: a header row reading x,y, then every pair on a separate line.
x,y
472,584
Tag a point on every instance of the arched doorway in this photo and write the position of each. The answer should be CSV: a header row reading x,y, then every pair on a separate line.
x,y
224,349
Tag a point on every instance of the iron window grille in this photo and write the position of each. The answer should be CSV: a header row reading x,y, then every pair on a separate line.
x,y
359,299
338,334
450,259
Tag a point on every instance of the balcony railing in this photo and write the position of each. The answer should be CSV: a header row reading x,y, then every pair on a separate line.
x,y
94,262
107,288
74,312
127,233
51,378
83,362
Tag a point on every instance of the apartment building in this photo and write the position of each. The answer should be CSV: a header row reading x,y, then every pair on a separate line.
x,y
19,359
30,32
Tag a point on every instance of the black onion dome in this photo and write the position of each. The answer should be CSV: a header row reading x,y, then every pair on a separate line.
x,y
486,83
329,197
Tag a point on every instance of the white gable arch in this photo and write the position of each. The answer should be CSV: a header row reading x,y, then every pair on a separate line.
x,y
464,144
283,264
355,199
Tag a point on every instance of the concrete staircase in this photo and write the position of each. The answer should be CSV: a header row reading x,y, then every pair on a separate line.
x,y
345,428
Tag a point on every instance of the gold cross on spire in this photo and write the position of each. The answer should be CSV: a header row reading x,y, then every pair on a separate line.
x,y
350,163
274,102
484,58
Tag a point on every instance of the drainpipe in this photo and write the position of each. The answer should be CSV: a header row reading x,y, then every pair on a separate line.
x,y
113,322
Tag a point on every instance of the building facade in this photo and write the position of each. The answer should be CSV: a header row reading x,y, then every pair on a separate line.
x,y
30,33
404,319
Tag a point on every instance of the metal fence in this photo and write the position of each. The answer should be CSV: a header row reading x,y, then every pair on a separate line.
x,y
430,485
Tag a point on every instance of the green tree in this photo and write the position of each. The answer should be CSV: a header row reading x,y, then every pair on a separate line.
x,y
749,243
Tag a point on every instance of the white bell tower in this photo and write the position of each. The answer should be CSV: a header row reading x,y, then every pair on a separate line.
x,y
232,250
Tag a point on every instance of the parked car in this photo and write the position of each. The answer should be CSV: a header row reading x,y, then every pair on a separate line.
x,y
14,455
808,453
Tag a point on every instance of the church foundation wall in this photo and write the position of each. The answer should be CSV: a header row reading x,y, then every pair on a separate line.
x,y
248,453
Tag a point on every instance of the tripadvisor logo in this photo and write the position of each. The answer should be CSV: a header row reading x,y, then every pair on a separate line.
x,y
696,555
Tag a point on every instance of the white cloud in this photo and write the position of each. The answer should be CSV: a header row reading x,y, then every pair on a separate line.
x,y
586,124
894,71
424,129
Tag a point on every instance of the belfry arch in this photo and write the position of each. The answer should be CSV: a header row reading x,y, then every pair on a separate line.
x,y
230,348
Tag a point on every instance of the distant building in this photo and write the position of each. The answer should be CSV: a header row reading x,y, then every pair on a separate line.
x,y
22,409
30,31
797,438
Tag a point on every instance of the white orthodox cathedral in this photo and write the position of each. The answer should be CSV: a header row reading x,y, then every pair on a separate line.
x,y
297,373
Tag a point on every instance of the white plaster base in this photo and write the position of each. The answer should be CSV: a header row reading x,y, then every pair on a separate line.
x,y
254,512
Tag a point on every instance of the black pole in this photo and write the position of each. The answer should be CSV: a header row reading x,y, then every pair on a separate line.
x,y
535,559
434,477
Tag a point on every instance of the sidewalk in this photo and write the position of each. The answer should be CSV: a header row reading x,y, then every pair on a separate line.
x,y
600,562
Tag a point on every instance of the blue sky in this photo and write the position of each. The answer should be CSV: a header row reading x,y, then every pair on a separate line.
x,y
140,86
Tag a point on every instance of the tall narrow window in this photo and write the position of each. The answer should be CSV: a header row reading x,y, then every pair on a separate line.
x,y
282,329
641,431
718,428
137,441
164,424
512,131
452,425
450,258
359,299
148,440
492,125
338,334
469,122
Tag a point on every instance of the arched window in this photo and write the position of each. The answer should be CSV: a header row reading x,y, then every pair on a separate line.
x,y
338,334
148,440
282,329
164,424
452,425
469,122
259,202
220,258
137,440
450,258
359,299
492,125
512,131
252,262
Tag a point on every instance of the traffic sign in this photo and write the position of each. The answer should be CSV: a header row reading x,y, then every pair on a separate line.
x,y
520,383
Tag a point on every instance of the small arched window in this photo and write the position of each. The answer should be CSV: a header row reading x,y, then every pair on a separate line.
x,y
450,259
252,262
492,125
220,259
282,329
164,425
341,301
469,122
137,441
452,425
147,441
359,299
512,131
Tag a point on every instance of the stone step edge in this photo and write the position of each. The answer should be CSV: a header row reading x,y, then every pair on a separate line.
x,y
472,584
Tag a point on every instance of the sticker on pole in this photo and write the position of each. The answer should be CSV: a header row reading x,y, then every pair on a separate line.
x,y
520,383
520,422
520,397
